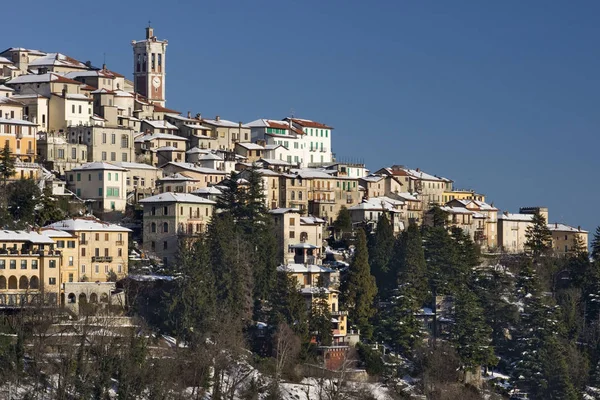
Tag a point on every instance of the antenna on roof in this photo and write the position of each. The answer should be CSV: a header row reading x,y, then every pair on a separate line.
x,y
292,112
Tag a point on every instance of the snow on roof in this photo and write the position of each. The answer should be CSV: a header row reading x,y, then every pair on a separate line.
x,y
558,227
50,232
250,146
193,167
273,161
152,136
203,127
41,78
307,123
98,165
4,60
304,268
6,89
310,220
303,246
456,210
159,123
372,178
23,236
378,204
224,122
312,173
208,190
196,150
176,177
182,118
171,197
10,101
135,165
210,156
516,217
11,121
86,224
77,96
168,148
283,210
57,59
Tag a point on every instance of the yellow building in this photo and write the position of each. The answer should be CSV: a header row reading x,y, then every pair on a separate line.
x,y
20,136
564,237
29,268
462,195
102,248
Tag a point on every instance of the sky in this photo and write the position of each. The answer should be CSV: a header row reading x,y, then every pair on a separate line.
x,y
501,97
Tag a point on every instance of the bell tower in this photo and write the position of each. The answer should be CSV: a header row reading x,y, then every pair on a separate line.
x,y
149,67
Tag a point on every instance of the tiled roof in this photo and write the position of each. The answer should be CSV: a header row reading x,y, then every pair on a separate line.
x,y
170,197
86,224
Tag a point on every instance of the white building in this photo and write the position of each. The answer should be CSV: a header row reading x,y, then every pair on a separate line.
x,y
511,231
104,184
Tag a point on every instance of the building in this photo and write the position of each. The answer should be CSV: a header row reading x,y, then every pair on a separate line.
x,y
511,231
296,234
141,180
57,153
149,67
317,138
20,137
204,176
171,217
370,210
227,133
252,152
462,195
160,148
485,232
104,143
104,185
29,269
564,238
102,248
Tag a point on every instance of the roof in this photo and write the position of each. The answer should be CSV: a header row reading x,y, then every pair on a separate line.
x,y
516,217
10,101
310,220
170,197
558,227
135,165
152,136
98,166
304,268
414,173
250,146
86,224
159,123
197,127
4,88
307,123
194,168
41,78
208,190
271,123
176,177
224,122
283,210
57,59
378,204
50,232
195,150
159,108
11,121
209,156
77,96
168,148
24,236
457,210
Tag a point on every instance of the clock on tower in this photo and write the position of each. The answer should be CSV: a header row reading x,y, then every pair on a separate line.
x,y
149,67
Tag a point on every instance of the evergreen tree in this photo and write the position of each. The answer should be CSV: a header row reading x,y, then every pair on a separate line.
x,y
380,251
288,305
401,328
23,199
408,263
359,288
343,222
7,164
470,334
554,383
538,236
48,210
596,245
320,317
441,259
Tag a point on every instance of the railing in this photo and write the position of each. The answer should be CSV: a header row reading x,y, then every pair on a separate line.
x,y
338,313
30,151
120,243
102,259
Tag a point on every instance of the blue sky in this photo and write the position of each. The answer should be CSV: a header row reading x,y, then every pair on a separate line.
x,y
501,97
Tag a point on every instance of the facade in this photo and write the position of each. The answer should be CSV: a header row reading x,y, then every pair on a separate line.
x,y
462,195
20,136
317,140
29,269
227,133
101,248
204,176
511,231
149,67
370,210
56,153
564,238
486,217
103,184
104,143
295,232
171,217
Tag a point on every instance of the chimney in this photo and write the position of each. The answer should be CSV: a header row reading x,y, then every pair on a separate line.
x,y
556,225
64,93
418,170
199,116
217,118
103,67
189,114
149,32
579,228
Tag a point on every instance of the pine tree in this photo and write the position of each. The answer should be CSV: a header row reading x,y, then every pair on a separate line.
x,y
408,263
359,288
48,210
441,259
401,328
7,164
380,252
23,198
343,222
554,382
320,317
470,334
288,305
596,245
538,236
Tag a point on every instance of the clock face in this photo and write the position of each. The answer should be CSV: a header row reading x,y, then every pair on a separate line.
x,y
156,82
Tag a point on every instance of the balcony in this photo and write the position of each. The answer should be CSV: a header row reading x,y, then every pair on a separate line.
x,y
339,313
332,201
83,242
120,243
323,149
30,151
102,259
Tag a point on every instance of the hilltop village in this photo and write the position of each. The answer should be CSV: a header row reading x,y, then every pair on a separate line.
x,y
133,180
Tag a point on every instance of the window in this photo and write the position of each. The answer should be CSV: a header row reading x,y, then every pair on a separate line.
x,y
165,245
52,264
60,244
165,210
73,108
113,156
23,264
166,227
106,237
80,110
71,244
104,138
97,252
52,281
105,252
83,268
292,220
109,176
97,236
106,269
100,192
97,267
70,277
78,177
103,156
83,252
70,261
124,157
124,141
2,264
119,252
13,264
292,234
34,264
153,227
119,268
113,139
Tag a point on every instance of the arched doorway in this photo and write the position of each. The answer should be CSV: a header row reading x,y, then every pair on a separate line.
x,y
34,283
71,298
93,298
104,298
2,282
23,283
82,298
12,282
